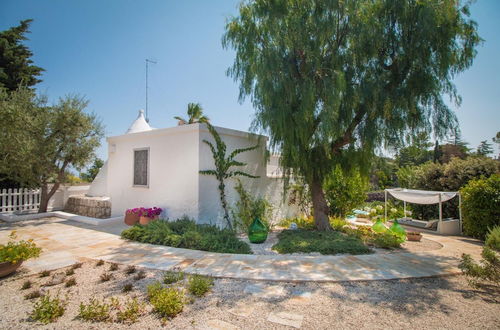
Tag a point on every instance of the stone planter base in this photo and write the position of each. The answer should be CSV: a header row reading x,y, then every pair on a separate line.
x,y
7,268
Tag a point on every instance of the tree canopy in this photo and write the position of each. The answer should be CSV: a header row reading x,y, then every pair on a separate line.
x,y
40,142
333,80
195,113
16,65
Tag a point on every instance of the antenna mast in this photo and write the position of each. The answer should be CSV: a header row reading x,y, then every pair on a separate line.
x,y
147,68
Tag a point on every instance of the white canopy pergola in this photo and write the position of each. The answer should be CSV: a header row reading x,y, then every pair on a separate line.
x,y
424,197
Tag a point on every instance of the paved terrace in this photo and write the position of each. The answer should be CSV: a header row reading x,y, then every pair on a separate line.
x,y
65,242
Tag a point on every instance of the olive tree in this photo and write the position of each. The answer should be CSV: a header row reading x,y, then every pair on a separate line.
x,y
333,80
40,142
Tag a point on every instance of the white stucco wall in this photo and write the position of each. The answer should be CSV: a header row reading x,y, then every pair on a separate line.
x,y
173,171
176,155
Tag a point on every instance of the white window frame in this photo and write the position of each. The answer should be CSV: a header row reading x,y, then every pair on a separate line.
x,y
147,168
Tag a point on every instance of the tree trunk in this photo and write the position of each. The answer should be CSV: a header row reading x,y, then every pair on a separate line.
x,y
46,195
222,191
320,206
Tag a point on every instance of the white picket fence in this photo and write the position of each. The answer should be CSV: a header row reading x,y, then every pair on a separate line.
x,y
19,200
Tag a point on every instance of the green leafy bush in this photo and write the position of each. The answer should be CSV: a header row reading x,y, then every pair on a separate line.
x,y
127,288
26,285
344,191
386,240
153,289
247,208
18,251
488,270
306,223
480,206
130,314
493,239
338,223
48,309
168,302
198,285
70,282
185,233
94,311
307,241
171,276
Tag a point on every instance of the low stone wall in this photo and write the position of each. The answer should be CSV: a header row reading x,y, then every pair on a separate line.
x,y
94,207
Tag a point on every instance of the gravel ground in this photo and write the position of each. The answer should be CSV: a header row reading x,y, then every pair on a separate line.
x,y
408,246
444,303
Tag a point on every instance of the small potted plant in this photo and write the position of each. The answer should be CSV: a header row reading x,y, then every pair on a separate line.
x,y
14,253
148,215
414,236
132,216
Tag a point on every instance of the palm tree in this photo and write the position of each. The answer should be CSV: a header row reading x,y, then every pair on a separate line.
x,y
223,164
195,113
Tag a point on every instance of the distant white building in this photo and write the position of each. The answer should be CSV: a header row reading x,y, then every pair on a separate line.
x,y
160,167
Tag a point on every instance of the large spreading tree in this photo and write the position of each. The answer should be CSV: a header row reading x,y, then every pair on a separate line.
x,y
333,80
39,142
16,65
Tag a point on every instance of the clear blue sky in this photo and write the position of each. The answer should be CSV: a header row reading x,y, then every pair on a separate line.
x,y
97,49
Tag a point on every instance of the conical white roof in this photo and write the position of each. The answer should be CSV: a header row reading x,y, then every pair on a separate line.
x,y
139,125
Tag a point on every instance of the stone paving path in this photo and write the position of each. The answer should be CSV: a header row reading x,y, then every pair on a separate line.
x,y
65,242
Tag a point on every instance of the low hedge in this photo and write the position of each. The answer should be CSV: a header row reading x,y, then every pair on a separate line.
x,y
481,206
185,233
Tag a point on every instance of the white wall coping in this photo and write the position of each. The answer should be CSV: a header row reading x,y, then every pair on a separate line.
x,y
11,218
184,129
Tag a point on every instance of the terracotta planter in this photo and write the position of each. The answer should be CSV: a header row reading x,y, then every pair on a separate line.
x,y
7,268
131,219
414,237
145,220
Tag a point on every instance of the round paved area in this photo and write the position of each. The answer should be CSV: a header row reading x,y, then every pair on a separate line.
x,y
65,242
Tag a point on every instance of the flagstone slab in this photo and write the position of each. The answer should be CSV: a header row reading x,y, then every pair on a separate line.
x,y
65,242
288,319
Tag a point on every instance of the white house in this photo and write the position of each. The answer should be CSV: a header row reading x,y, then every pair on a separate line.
x,y
160,167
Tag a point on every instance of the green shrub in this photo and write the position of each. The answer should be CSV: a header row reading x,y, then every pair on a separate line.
x,y
170,276
18,251
493,239
198,285
130,314
105,277
306,223
140,275
44,273
26,285
127,288
248,207
480,206
488,270
153,289
386,240
307,241
185,233
113,267
47,309
168,302
33,295
94,311
70,282
344,191
130,269
338,223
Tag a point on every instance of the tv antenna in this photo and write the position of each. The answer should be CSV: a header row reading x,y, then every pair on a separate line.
x,y
147,69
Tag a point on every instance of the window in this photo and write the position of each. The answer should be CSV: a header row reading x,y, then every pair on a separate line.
x,y
141,164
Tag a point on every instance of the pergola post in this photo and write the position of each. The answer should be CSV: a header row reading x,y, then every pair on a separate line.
x,y
460,211
440,209
385,205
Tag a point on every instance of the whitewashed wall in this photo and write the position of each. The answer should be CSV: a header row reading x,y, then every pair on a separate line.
x,y
177,155
173,171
